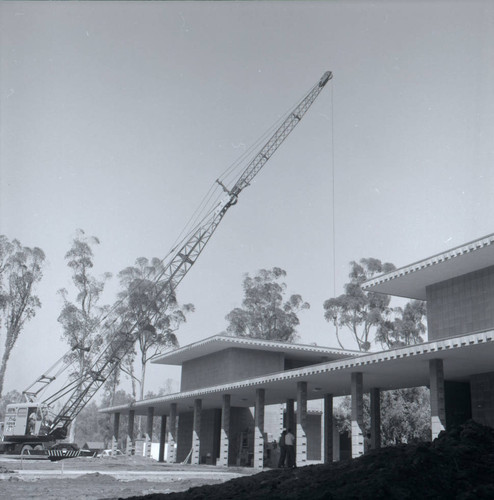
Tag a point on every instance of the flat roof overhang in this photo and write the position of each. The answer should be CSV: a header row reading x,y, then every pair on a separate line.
x,y
412,281
462,357
217,343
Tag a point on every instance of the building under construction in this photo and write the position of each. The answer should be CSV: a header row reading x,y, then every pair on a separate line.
x,y
237,393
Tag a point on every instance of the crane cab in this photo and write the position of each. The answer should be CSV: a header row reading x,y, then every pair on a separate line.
x,y
26,419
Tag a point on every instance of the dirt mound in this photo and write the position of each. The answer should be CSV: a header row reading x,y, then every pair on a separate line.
x,y
96,476
459,464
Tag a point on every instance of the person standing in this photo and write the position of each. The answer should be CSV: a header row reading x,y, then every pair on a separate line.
x,y
31,423
290,448
282,445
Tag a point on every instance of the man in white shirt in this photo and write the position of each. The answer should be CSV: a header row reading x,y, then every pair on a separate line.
x,y
290,448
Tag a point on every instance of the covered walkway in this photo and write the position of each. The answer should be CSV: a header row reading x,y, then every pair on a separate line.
x,y
435,364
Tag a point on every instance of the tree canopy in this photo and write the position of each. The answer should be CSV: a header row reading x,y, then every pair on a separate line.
x,y
265,313
80,318
21,268
406,327
13,396
368,316
405,415
149,312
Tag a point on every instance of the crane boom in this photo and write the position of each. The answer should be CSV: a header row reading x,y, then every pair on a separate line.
x,y
280,135
80,391
186,256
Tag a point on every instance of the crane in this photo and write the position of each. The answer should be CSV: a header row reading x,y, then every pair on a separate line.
x,y
78,392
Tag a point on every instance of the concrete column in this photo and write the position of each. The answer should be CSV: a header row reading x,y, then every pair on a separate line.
x,y
281,420
149,431
196,433
225,431
375,418
328,428
116,425
259,430
438,409
172,435
114,439
130,431
130,434
161,456
357,415
290,414
149,422
114,446
301,435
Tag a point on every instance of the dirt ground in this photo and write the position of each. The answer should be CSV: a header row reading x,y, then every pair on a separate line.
x,y
104,478
458,465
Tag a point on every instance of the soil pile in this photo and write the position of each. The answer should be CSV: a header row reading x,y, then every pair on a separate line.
x,y
459,464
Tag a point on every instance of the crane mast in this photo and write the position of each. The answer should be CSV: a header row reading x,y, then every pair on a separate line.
x,y
81,390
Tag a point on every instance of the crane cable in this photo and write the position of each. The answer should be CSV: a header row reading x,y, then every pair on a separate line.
x,y
201,210
204,210
239,164
333,191
234,168
205,207
335,317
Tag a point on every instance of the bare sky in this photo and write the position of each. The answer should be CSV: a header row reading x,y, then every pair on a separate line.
x,y
116,117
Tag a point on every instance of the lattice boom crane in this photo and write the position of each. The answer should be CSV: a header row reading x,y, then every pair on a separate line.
x,y
80,391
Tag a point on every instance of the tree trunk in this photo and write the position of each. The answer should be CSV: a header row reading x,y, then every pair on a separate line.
x,y
113,389
3,367
133,381
82,364
141,394
143,377
338,336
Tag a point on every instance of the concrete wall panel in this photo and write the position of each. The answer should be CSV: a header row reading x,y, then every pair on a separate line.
x,y
184,435
461,305
314,436
482,394
227,366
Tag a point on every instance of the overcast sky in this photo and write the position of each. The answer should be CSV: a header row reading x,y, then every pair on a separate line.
x,y
117,117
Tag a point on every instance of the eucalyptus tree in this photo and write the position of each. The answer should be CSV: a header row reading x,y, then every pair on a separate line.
x,y
358,311
265,312
149,311
405,415
10,397
80,318
368,317
21,268
406,327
